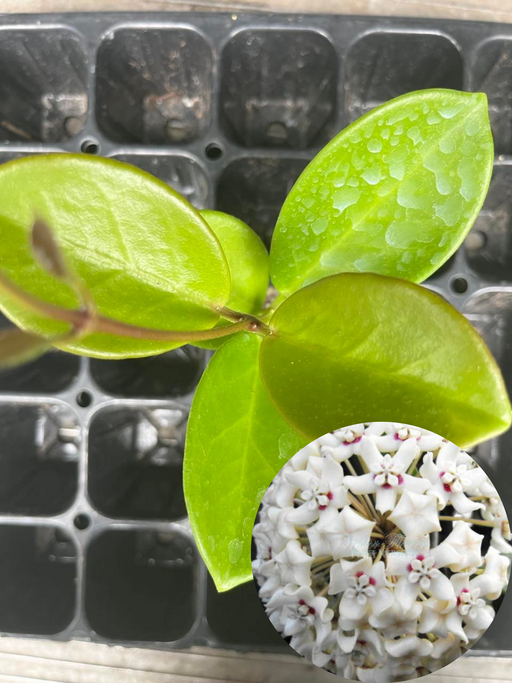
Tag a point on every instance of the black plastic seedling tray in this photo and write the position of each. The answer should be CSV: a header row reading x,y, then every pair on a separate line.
x,y
228,109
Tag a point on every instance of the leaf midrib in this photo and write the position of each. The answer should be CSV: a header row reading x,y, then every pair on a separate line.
x,y
134,270
90,256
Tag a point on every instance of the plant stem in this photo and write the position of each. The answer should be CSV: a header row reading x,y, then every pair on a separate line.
x,y
479,522
414,463
259,326
365,497
363,464
380,553
350,468
94,322
359,505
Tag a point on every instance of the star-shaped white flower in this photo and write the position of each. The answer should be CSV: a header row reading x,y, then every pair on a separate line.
x,y
419,570
319,538
364,589
396,434
448,647
408,646
495,576
387,477
294,610
349,534
396,621
468,545
467,619
343,443
416,514
363,643
494,511
451,475
294,564
274,529
476,614
319,486
281,492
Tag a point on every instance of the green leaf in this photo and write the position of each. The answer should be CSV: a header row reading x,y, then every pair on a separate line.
x,y
247,259
395,193
236,444
359,347
144,254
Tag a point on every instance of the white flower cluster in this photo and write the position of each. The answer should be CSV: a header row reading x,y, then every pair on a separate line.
x,y
380,548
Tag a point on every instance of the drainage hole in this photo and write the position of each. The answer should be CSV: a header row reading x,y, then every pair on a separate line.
x,y
82,522
90,147
459,285
84,399
213,151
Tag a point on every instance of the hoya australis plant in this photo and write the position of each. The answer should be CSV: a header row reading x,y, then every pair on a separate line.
x,y
101,259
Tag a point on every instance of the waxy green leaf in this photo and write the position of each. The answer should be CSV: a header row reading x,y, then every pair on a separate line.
x,y
142,252
395,193
236,444
247,259
359,347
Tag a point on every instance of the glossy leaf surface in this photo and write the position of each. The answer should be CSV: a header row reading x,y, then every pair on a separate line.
x,y
360,348
145,255
236,444
395,193
247,259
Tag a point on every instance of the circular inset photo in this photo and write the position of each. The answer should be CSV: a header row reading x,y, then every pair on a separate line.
x,y
381,552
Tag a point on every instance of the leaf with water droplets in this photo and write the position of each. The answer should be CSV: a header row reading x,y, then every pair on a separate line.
x,y
236,444
395,193
360,347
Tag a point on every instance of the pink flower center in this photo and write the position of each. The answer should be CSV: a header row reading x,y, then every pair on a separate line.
x,y
408,436
446,487
372,581
400,480
459,599
349,443
311,610
330,496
